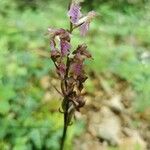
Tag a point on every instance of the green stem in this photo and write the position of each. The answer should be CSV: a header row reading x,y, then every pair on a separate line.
x,y
65,127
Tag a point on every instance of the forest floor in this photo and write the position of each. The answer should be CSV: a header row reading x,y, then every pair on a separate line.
x,y
111,122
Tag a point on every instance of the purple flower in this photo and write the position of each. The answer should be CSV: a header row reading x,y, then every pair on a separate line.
x,y
77,68
81,52
84,28
63,36
74,12
85,22
61,70
65,47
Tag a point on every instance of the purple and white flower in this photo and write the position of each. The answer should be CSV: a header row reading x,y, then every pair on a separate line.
x,y
74,12
84,28
65,47
85,22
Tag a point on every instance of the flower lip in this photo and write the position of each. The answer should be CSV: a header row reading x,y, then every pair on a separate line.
x,y
65,47
74,12
84,28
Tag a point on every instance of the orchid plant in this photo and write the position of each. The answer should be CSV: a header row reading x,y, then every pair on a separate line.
x,y
70,64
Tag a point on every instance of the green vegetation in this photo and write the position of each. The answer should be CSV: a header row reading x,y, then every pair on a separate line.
x,y
117,40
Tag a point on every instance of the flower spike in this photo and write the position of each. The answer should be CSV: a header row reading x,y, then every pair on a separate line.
x,y
69,63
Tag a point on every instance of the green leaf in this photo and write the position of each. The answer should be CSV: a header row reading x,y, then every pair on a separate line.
x,y
6,92
21,144
36,138
4,107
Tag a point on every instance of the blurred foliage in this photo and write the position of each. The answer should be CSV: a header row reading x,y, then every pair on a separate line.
x,y
121,5
121,43
117,39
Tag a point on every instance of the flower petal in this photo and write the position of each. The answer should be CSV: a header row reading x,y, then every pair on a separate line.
x,y
65,47
74,12
84,28
76,68
61,70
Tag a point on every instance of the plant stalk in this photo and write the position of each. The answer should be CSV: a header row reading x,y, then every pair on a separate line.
x,y
65,127
66,115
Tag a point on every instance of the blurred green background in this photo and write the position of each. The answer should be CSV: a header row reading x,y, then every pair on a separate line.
x,y
119,40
